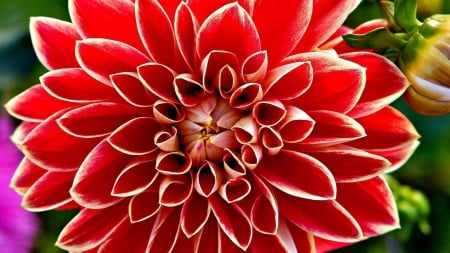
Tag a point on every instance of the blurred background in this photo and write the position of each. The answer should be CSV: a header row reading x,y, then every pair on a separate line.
x,y
421,187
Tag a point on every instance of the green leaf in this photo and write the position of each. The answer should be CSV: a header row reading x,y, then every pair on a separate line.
x,y
378,39
405,15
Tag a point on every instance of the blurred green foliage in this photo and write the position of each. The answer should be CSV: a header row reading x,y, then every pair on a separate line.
x,y
421,187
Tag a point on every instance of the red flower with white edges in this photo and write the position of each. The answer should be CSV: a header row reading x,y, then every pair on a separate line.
x,y
209,126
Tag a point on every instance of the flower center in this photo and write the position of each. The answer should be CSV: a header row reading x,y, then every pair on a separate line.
x,y
206,133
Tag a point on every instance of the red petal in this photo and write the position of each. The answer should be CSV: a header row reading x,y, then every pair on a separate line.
x,y
125,233
51,148
101,58
186,28
294,77
281,25
298,175
303,239
175,190
208,179
135,137
214,34
22,131
54,42
103,19
74,85
35,104
350,165
165,231
333,128
168,140
325,218
167,113
144,206
397,155
189,91
297,125
251,155
194,215
213,63
156,31
96,119
378,213
132,90
264,213
286,239
246,96
254,68
26,174
385,129
158,79
334,79
173,163
226,81
233,223
91,227
326,18
234,190
207,240
233,166
50,191
269,112
271,140
135,179
227,245
323,245
384,83
95,179
203,8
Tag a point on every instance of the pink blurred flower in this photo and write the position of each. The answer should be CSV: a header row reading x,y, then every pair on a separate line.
x,y
18,228
209,126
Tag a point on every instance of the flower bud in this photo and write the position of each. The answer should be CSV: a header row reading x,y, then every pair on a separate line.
x,y
425,60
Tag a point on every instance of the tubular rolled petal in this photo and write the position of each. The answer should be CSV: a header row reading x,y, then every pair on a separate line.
x,y
135,179
175,190
173,163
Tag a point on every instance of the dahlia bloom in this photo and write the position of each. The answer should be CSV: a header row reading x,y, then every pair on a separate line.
x,y
18,228
209,126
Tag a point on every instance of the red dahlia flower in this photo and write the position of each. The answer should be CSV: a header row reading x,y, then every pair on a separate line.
x,y
209,126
